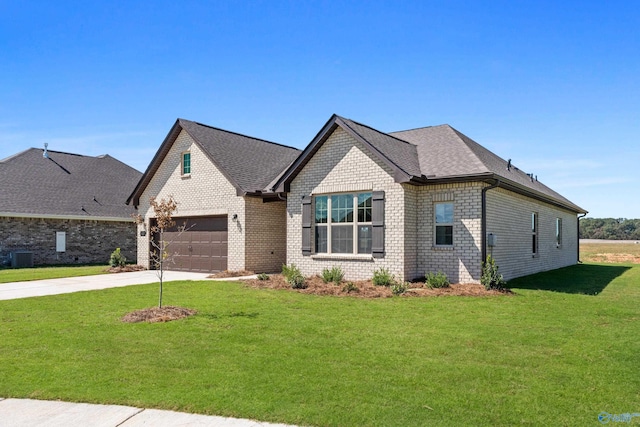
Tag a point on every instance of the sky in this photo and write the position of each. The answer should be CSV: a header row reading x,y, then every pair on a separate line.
x,y
552,85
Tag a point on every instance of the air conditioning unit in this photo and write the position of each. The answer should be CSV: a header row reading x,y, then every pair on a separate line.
x,y
21,259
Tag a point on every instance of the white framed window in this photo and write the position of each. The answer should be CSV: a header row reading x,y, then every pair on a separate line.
x,y
343,223
186,163
558,232
534,233
443,223
61,241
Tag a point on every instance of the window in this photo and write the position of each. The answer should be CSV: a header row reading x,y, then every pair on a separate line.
x,y
534,233
343,223
558,232
186,163
444,224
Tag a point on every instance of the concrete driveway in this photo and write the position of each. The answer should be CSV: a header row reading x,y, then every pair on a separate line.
x,y
38,288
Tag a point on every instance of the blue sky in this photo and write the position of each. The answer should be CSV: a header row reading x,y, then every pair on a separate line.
x,y
552,85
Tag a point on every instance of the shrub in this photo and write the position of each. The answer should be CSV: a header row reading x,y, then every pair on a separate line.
x,y
263,276
293,276
491,279
350,287
382,277
399,288
335,275
117,259
437,280
298,282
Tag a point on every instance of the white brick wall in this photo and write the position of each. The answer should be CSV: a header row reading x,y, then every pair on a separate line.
x,y
344,165
462,262
509,218
266,244
205,192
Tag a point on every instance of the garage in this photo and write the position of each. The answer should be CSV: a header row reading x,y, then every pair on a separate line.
x,y
201,247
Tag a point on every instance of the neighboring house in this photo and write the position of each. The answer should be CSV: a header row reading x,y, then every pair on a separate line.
x,y
422,200
65,208
218,180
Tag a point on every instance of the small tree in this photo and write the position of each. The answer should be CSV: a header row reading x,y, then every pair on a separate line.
x,y
163,210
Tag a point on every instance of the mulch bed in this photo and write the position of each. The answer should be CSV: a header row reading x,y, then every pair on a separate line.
x,y
125,269
155,314
366,289
227,273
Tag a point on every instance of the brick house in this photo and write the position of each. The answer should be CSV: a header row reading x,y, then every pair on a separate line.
x,y
422,200
218,179
63,208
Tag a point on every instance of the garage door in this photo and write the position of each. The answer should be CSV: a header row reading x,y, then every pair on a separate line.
x,y
202,247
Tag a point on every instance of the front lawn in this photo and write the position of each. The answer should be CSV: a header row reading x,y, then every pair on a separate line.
x,y
8,275
543,356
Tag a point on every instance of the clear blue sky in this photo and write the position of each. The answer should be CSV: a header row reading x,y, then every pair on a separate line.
x,y
555,86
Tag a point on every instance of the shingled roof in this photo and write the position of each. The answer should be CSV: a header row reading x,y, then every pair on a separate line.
x,y
65,185
430,155
250,164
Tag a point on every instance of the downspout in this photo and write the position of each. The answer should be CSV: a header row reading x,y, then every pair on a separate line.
x,y
578,236
484,218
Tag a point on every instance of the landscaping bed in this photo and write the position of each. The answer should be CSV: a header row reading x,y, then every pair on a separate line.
x,y
366,288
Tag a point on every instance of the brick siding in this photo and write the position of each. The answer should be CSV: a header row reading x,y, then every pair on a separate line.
x,y
509,219
87,241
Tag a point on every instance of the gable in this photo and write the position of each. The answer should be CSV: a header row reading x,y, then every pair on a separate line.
x,y
342,164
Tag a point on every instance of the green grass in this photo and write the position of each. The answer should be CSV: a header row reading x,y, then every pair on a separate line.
x,y
39,273
544,356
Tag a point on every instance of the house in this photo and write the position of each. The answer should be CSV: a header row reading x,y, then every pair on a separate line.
x,y
63,208
416,201
218,179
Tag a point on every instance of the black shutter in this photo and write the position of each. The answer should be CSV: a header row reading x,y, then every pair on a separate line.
x,y
377,221
306,225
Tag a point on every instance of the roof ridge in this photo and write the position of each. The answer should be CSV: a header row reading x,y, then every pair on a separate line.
x,y
237,133
375,130
422,127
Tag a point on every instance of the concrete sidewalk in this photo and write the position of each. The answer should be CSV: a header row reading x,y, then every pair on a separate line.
x,y
41,413
38,288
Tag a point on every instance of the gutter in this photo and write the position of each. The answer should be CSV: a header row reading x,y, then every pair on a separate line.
x,y
578,237
484,217
69,217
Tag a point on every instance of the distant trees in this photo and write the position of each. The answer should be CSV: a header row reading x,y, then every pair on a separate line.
x,y
610,228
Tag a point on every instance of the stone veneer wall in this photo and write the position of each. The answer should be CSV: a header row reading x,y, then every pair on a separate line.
x,y
509,218
87,241
266,229
205,192
344,165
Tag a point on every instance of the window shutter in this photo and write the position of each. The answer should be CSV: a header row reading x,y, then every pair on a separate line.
x,y
306,225
377,221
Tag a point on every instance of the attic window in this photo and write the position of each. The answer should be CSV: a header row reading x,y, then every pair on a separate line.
x,y
186,163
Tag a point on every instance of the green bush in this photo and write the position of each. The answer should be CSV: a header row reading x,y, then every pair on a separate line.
x,y
335,275
399,288
491,279
350,287
382,277
437,280
263,276
293,276
117,259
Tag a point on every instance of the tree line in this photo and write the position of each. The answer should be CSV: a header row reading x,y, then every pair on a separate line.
x,y
610,228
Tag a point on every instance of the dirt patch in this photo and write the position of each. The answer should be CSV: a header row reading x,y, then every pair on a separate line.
x,y
125,269
227,273
366,289
155,314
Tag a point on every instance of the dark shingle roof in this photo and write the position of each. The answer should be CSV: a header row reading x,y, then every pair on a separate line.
x,y
250,164
429,155
63,184
444,152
